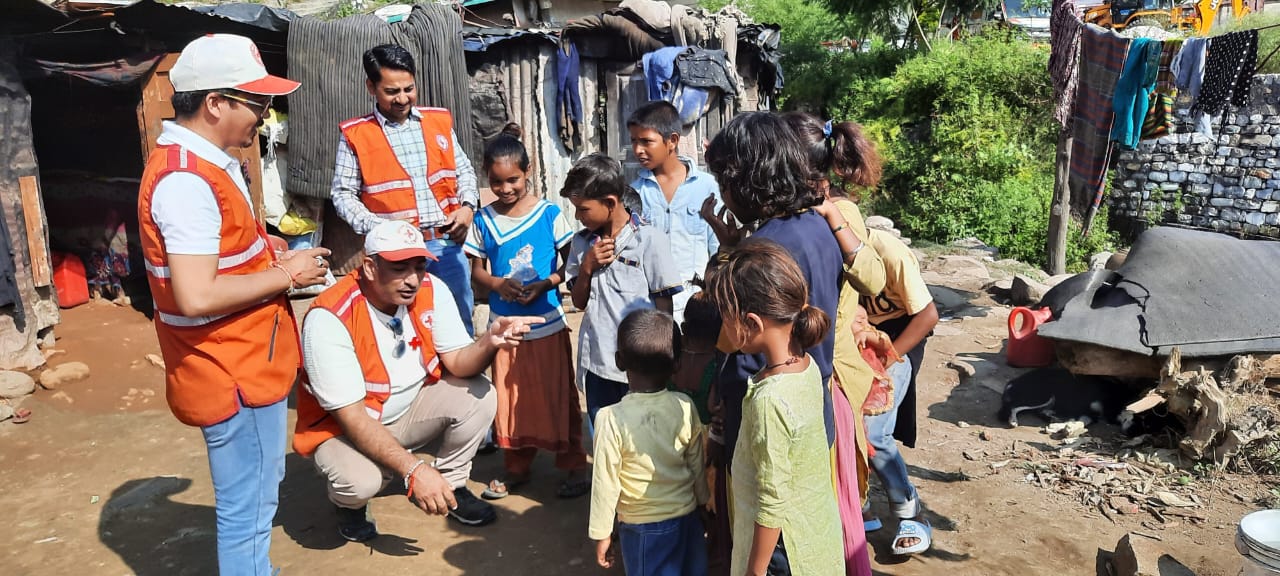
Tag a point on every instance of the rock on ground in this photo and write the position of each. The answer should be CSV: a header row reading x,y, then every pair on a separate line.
x,y
962,266
1138,555
1025,291
15,384
64,374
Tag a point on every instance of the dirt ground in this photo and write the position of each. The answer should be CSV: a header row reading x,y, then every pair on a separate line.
x,y
103,480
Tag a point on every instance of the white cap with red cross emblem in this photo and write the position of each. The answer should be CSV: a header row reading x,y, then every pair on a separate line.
x,y
226,61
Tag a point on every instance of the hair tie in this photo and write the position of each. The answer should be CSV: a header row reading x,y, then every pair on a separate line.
x,y
826,129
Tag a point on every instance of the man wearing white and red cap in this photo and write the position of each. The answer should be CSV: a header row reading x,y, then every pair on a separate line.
x,y
390,368
225,327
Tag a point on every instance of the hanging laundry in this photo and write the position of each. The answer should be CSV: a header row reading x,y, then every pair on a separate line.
x,y
702,68
1228,71
1102,57
1188,66
663,75
1164,78
1159,120
1064,58
1133,91
568,101
660,72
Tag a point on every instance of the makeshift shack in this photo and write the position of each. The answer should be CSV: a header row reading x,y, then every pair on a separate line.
x,y
83,89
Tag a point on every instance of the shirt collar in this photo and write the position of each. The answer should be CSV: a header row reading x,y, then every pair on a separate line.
x,y
383,120
174,133
692,172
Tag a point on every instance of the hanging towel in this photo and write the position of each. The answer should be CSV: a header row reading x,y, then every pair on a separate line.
x,y
568,101
1159,121
1164,78
1228,70
1102,55
1064,58
1133,91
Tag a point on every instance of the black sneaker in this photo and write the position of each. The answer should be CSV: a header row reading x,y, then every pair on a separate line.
x,y
471,511
356,525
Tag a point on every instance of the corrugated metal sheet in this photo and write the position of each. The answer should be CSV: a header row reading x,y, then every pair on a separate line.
x,y
325,57
522,75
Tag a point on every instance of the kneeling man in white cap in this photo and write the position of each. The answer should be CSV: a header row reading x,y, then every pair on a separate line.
x,y
390,369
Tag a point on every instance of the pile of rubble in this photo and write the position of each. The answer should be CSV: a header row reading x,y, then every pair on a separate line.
x,y
1133,482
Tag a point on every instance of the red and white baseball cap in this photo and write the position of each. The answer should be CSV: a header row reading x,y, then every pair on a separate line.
x,y
396,240
219,61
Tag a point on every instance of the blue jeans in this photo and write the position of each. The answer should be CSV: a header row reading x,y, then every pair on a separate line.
x,y
888,462
454,270
246,462
674,547
601,392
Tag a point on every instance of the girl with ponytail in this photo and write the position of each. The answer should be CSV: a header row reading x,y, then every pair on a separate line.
x,y
885,277
784,513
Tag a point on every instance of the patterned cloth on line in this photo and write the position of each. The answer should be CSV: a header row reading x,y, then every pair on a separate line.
x,y
1228,71
1064,58
1102,56
1164,77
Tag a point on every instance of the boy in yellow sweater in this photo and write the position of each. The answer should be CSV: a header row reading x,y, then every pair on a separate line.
x,y
648,466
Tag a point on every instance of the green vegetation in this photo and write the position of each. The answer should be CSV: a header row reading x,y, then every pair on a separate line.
x,y
965,127
1268,40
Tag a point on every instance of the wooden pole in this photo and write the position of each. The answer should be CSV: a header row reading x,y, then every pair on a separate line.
x,y
1060,209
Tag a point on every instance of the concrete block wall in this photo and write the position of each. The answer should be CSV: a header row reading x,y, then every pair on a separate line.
x,y
1229,182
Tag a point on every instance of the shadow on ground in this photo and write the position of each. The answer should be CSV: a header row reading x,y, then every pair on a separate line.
x,y
153,534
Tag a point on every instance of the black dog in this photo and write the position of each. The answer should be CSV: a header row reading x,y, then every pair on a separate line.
x,y
1060,395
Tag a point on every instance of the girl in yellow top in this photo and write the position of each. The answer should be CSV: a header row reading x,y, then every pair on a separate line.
x,y
781,515
841,151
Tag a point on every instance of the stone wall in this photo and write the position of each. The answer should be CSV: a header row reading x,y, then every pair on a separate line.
x,y
1228,183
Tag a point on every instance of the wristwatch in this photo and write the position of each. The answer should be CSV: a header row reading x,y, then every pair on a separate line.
x,y
469,204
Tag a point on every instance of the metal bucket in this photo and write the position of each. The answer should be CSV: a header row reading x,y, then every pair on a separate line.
x,y
1258,540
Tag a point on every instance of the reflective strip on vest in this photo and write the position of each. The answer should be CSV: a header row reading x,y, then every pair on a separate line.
x,y
378,387
187,321
388,186
157,271
243,256
375,414
435,177
180,321
401,215
431,366
224,262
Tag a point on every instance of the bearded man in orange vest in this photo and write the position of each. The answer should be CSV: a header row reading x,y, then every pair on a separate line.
x,y
390,368
226,330
403,162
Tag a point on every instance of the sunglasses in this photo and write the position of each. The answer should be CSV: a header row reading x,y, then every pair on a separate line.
x,y
259,105
397,328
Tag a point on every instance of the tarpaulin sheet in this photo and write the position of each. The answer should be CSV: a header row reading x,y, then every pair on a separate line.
x,y
265,17
326,58
1205,293
118,72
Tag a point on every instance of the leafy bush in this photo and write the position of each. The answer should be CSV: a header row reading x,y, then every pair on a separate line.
x,y
968,141
1268,40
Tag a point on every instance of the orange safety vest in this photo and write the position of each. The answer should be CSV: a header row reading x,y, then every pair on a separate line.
x,y
387,189
345,301
209,361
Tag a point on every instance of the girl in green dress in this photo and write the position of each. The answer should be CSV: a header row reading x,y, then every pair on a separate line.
x,y
785,519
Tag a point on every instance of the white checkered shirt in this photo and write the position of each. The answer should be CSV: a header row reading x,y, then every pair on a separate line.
x,y
411,151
